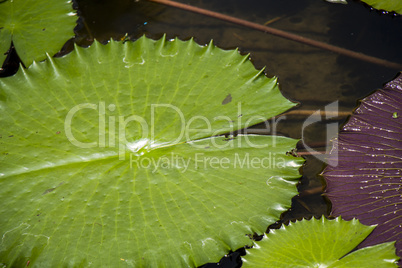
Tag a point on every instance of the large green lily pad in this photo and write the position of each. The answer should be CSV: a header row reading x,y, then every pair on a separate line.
x,y
35,27
111,156
320,243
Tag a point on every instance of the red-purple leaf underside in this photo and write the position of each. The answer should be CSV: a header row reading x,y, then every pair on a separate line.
x,y
367,182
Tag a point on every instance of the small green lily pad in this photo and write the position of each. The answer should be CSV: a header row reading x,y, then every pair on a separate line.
x,y
35,27
387,5
320,243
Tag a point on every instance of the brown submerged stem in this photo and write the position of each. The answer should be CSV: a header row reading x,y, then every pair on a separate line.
x,y
318,113
283,34
310,153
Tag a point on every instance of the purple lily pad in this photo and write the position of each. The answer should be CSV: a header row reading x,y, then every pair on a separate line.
x,y
364,172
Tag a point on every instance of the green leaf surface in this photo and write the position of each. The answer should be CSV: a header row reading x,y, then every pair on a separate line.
x,y
387,5
320,243
36,27
96,170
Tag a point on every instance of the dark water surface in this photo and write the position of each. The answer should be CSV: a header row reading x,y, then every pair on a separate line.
x,y
308,75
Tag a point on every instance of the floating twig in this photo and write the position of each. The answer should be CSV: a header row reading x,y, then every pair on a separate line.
x,y
272,21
